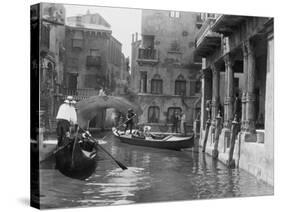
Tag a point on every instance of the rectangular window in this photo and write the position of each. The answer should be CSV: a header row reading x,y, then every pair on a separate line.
x,y
143,82
180,87
174,14
156,86
153,114
198,86
192,88
177,14
77,40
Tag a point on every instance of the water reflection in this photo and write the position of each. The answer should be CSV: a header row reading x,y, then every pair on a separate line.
x,y
152,175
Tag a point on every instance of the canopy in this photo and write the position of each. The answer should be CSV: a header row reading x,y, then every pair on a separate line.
x,y
88,108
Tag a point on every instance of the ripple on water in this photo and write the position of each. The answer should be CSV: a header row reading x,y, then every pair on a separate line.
x,y
118,185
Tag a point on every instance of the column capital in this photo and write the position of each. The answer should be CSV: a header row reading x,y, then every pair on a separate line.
x,y
244,97
250,97
228,100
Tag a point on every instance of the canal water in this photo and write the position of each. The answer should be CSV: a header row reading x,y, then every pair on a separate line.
x,y
153,175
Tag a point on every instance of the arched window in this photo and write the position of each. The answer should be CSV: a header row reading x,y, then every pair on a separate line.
x,y
171,112
156,84
180,86
153,114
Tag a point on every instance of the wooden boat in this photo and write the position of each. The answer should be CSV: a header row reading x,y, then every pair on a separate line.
x,y
159,141
77,160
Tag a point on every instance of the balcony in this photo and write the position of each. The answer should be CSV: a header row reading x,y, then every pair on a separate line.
x,y
93,61
147,56
226,24
206,40
81,93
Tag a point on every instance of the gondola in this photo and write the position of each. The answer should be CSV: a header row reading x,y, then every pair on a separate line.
x,y
156,141
78,159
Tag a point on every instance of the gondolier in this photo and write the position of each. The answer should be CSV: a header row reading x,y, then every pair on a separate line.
x,y
65,117
130,121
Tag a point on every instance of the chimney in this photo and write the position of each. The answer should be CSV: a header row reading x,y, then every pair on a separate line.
x,y
133,36
79,21
136,36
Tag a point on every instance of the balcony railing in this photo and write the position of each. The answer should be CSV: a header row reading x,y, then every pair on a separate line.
x,y
147,55
207,40
81,93
205,31
93,61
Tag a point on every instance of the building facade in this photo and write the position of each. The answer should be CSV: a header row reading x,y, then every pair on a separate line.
x,y
94,60
237,79
52,49
93,56
164,71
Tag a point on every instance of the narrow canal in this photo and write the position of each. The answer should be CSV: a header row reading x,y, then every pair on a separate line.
x,y
152,175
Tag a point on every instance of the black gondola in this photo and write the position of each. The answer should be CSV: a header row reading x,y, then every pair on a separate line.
x,y
78,159
157,141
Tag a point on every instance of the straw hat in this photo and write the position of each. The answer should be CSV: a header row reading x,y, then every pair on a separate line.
x,y
66,101
70,98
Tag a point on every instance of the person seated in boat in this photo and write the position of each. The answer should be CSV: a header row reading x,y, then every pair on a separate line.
x,y
130,122
65,117
86,143
138,133
146,131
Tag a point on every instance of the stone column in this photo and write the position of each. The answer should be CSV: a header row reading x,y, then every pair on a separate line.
x,y
215,93
250,96
244,93
228,101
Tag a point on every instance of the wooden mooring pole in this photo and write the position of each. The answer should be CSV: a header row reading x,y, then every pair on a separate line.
x,y
215,152
208,124
233,134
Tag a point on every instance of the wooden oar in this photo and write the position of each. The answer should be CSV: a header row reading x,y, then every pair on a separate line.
x,y
94,140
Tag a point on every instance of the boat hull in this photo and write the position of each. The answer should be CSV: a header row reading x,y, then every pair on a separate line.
x,y
174,143
73,162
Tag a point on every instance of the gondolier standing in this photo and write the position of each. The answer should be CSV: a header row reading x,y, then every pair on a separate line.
x,y
130,121
65,117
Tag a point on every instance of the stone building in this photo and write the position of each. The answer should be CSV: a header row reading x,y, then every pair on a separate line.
x,y
164,71
93,56
94,59
237,63
52,49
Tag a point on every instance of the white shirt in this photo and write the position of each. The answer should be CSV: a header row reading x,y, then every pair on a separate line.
x,y
73,117
67,112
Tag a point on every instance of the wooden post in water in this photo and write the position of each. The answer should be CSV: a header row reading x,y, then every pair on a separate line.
x,y
215,152
233,134
208,124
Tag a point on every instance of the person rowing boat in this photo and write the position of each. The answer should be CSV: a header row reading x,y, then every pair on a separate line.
x,y
66,117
